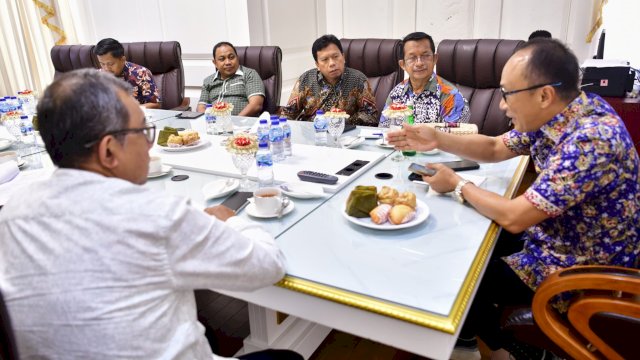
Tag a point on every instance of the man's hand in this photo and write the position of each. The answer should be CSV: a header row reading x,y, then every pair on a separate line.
x,y
445,179
413,137
220,211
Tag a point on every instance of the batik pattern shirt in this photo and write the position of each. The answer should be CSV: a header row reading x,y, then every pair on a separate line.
x,y
588,184
144,88
352,93
236,89
440,101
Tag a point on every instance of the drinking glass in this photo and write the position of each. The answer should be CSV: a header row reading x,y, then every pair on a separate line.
x,y
243,162
395,123
336,127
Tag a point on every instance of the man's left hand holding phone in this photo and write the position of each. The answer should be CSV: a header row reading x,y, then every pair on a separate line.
x,y
230,206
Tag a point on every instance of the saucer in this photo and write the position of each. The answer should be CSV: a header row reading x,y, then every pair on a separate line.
x,y
302,190
5,143
219,188
349,142
21,163
430,152
252,211
165,170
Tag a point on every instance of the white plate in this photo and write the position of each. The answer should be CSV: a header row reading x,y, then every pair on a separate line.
x,y
165,170
219,188
252,211
5,143
352,141
431,152
199,144
422,213
381,144
302,190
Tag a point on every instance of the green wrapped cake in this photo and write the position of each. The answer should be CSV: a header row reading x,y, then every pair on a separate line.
x,y
361,201
164,134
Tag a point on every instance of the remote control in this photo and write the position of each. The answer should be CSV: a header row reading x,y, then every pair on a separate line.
x,y
317,177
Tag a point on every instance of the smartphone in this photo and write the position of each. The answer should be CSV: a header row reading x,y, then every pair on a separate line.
x,y
189,115
238,200
462,165
421,170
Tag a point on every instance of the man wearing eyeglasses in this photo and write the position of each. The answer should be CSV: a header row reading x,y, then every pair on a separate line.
x,y
92,265
582,209
434,98
110,54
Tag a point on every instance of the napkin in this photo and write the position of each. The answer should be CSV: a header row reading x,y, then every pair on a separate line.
x,y
375,133
8,171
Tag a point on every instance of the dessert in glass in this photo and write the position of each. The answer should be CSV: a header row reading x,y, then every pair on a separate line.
x,y
397,113
336,119
243,148
222,111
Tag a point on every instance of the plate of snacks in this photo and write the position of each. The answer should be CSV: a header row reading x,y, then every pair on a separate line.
x,y
171,139
387,209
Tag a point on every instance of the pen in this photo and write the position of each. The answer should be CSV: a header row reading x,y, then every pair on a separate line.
x,y
377,134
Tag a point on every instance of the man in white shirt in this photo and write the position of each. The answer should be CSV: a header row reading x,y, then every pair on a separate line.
x,y
92,265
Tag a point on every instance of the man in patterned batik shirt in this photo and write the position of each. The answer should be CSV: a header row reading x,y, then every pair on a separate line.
x,y
332,85
110,54
434,98
582,209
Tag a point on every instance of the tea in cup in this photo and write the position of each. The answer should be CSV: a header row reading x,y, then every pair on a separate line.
x,y
268,201
155,165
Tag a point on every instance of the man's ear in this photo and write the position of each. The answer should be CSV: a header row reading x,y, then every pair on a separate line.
x,y
401,63
435,59
547,96
107,157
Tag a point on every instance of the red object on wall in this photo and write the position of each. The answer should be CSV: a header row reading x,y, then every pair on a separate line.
x,y
629,111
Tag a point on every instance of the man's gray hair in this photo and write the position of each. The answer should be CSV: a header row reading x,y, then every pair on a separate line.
x,y
78,108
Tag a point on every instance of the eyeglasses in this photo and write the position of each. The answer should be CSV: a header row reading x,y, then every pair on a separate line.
x,y
414,59
148,131
507,93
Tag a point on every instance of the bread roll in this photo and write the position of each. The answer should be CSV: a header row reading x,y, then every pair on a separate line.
x,y
380,214
174,141
189,137
401,214
406,198
387,195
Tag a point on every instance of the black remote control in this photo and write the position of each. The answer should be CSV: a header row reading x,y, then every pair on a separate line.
x,y
317,177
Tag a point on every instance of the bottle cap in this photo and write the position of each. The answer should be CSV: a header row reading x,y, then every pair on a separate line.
x,y
283,119
24,117
320,112
275,121
208,105
263,121
263,145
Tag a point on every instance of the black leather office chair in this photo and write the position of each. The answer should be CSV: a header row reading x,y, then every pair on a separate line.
x,y
267,61
377,59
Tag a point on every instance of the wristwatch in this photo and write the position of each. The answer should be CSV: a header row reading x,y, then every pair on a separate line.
x,y
457,193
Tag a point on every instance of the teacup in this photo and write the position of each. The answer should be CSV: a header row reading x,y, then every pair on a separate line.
x,y
155,164
8,156
268,200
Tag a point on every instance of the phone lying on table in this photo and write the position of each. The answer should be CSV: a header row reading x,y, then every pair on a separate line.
x,y
462,165
238,200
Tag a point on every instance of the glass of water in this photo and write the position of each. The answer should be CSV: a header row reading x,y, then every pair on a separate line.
x,y
395,123
336,127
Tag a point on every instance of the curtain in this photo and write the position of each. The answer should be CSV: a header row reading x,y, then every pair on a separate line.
x,y
28,31
597,19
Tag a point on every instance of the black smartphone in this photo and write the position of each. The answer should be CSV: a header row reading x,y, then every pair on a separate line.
x,y
238,200
421,170
462,165
189,115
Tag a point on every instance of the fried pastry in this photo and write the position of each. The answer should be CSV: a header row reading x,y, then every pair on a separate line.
x,y
406,198
174,141
380,214
387,195
400,214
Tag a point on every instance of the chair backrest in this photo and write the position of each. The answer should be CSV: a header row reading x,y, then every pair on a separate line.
x,y
267,61
475,67
8,348
163,59
602,322
377,59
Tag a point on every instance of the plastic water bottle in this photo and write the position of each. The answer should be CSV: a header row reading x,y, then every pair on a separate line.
x,y
264,161
15,104
321,126
26,129
276,139
286,132
263,131
210,118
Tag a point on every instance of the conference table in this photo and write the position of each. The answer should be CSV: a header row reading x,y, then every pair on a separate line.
x,y
409,288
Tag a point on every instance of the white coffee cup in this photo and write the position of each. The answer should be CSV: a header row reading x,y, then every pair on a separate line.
x,y
155,164
268,200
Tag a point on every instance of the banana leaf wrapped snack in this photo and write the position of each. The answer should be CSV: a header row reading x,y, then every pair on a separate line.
x,y
164,134
361,201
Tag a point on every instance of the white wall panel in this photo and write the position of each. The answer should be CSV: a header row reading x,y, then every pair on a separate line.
x,y
445,19
520,18
368,18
